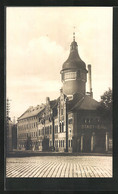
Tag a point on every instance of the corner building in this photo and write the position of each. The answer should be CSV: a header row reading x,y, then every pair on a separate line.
x,y
72,123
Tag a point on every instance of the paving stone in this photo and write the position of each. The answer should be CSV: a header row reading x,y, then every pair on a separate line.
x,y
60,166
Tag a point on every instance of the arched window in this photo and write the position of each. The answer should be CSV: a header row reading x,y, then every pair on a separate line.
x,y
60,128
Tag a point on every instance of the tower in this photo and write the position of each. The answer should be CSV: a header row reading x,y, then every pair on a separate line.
x,y
74,73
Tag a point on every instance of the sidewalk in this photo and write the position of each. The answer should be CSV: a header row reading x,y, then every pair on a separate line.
x,y
38,153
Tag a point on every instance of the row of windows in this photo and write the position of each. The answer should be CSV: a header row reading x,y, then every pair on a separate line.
x,y
22,144
70,143
70,75
61,127
60,143
73,75
46,118
27,126
25,135
48,130
28,119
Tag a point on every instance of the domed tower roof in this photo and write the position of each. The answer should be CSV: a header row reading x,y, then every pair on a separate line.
x,y
74,61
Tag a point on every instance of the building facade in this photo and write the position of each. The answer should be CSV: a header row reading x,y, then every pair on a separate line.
x,y
70,123
11,136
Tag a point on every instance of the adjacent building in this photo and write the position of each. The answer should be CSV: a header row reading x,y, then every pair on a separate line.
x,y
11,136
70,123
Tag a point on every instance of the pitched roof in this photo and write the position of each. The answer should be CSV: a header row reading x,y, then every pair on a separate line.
x,y
86,103
53,103
32,111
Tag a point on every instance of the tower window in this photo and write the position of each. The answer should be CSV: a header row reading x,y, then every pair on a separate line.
x,y
70,75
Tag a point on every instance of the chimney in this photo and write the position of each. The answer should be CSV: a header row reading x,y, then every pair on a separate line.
x,y
47,100
90,81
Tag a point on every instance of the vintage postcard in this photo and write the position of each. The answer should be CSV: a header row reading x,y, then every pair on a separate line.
x,y
59,92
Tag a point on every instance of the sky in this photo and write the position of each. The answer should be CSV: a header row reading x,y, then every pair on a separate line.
x,y
38,43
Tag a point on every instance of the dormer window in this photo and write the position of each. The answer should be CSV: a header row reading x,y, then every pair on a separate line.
x,y
70,76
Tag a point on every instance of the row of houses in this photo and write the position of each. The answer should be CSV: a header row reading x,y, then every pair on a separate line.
x,y
70,123
56,126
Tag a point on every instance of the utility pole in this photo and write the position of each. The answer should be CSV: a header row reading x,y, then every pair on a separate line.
x,y
7,124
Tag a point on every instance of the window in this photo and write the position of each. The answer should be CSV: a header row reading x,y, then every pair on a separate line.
x,y
47,130
56,128
70,121
63,143
62,127
70,75
61,111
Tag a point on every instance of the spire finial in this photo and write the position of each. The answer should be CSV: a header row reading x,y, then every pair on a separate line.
x,y
74,34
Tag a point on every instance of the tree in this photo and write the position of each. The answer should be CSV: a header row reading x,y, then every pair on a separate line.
x,y
105,108
28,143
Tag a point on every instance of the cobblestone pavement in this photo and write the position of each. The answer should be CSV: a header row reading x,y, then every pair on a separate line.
x,y
60,166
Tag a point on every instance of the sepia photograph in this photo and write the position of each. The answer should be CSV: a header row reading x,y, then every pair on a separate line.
x,y
59,92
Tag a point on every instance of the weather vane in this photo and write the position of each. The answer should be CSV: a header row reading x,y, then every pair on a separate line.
x,y
74,34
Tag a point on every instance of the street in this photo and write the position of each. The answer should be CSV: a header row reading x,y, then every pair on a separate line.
x,y
60,166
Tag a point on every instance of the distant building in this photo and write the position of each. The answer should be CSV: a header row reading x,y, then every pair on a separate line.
x,y
11,140
14,137
70,123
28,126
